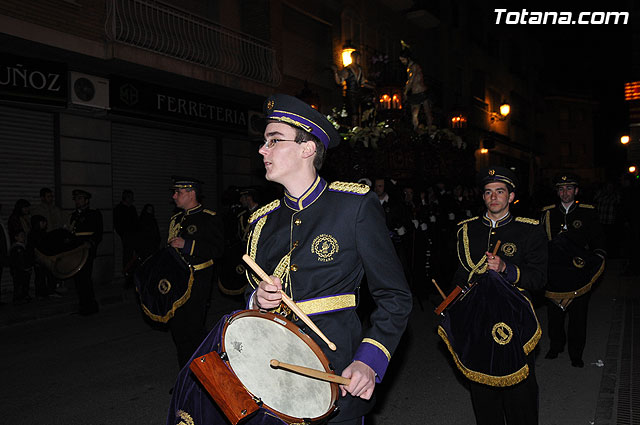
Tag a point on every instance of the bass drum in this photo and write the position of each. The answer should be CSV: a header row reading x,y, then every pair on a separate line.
x,y
163,282
62,253
490,331
572,270
233,280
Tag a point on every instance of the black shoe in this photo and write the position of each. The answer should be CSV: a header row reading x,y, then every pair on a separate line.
x,y
577,363
551,354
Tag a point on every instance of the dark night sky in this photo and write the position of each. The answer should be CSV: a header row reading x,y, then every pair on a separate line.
x,y
590,60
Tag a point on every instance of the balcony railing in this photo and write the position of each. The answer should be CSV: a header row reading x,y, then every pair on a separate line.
x,y
169,31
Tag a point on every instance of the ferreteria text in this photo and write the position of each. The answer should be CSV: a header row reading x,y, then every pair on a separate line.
x,y
524,17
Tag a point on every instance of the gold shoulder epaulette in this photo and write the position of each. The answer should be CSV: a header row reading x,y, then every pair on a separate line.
x,y
264,211
355,188
209,212
591,207
468,220
528,220
548,207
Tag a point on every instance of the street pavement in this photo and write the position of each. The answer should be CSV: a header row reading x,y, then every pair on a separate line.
x,y
113,367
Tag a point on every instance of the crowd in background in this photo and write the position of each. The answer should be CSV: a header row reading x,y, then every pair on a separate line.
x,y
29,228
421,219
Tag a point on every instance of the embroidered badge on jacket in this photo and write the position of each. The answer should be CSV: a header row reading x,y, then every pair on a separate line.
x,y
192,229
577,224
509,249
325,247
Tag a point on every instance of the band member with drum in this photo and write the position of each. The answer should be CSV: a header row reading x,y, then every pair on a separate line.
x,y
521,260
86,225
196,233
576,224
317,242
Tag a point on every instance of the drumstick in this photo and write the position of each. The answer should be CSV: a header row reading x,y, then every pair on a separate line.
x,y
288,301
444,297
318,374
495,248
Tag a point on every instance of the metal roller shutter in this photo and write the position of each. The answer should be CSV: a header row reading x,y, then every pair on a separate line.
x,y
144,159
27,161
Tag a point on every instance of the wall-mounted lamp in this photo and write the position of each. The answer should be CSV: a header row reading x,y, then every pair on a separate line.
x,y
347,49
505,109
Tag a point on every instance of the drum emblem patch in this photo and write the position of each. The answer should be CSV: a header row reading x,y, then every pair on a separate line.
x,y
501,333
164,286
509,249
577,224
578,262
192,229
240,269
325,246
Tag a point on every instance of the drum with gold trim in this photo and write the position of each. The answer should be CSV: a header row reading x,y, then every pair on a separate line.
x,y
244,345
490,330
572,271
62,253
163,282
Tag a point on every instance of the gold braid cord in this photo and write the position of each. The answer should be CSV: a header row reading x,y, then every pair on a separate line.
x,y
482,378
177,304
574,294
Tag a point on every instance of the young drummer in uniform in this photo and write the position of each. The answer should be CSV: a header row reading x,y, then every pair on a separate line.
x,y
318,242
522,261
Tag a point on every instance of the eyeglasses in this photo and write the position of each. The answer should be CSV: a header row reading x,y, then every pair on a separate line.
x,y
269,144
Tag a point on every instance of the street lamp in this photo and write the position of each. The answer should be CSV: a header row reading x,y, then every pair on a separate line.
x,y
505,109
632,169
347,49
624,139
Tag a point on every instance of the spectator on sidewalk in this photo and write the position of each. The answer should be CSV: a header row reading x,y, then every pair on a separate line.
x,y
607,201
21,264
125,223
5,243
147,237
49,210
19,220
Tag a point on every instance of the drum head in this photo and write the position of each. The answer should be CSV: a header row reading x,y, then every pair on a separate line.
x,y
252,339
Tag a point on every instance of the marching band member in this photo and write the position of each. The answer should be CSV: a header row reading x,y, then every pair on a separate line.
x,y
318,242
196,233
578,223
521,261
86,225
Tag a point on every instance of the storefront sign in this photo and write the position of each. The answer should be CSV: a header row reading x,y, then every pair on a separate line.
x,y
137,98
32,81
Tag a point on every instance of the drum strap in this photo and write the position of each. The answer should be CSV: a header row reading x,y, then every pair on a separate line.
x,y
203,266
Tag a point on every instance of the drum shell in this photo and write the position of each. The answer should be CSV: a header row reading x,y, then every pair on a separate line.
x,y
225,388
222,340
